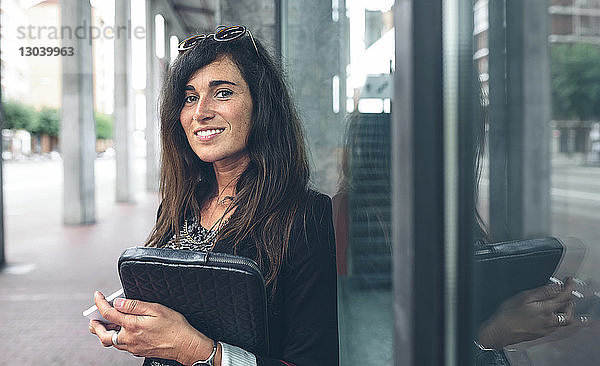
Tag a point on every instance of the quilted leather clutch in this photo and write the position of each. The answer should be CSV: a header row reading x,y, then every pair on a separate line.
x,y
221,295
504,269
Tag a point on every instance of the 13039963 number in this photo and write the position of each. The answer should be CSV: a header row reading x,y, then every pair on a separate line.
x,y
47,51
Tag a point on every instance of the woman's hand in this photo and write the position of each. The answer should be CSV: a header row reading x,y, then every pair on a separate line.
x,y
151,330
528,315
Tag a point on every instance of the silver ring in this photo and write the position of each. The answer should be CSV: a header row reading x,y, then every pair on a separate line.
x,y
562,320
115,338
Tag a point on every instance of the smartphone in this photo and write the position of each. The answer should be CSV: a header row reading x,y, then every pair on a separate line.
x,y
93,314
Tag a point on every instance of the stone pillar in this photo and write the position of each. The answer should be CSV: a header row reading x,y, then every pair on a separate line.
x,y
77,132
528,118
2,257
310,29
152,92
258,15
124,116
169,27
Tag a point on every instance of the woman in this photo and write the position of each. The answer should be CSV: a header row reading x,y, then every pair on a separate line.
x,y
234,179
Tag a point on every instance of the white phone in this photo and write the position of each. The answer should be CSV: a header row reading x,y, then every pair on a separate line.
x,y
93,314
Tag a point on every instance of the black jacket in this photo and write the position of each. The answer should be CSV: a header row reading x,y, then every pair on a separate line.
x,y
303,328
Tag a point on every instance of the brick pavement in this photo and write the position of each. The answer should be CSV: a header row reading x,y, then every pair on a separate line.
x,y
53,271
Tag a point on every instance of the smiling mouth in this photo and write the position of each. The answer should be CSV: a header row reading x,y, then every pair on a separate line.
x,y
206,134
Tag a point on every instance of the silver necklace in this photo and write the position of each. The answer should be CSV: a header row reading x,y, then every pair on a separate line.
x,y
208,242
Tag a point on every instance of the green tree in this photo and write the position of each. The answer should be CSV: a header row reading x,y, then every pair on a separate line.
x,y
104,126
48,122
18,116
575,72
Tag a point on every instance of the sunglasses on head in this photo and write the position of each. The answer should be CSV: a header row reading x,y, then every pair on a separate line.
x,y
222,34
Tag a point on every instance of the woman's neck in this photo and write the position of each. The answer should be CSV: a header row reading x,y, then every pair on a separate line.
x,y
227,174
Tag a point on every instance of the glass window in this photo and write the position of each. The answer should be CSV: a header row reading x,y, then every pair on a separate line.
x,y
537,180
342,79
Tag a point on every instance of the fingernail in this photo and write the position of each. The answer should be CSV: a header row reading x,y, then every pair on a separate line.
x,y
556,281
555,288
118,302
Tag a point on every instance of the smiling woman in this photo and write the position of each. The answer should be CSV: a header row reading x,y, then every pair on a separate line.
x,y
234,179
217,111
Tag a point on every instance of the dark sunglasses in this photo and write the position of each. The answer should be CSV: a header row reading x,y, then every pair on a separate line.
x,y
222,34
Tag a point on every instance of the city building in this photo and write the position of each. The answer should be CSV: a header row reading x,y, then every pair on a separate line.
x,y
570,21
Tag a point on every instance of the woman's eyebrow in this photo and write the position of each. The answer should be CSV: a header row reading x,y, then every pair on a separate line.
x,y
214,83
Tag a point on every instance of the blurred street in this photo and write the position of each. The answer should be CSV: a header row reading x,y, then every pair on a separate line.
x,y
576,210
53,270
575,196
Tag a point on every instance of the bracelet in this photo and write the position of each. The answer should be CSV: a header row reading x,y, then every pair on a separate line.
x,y
210,360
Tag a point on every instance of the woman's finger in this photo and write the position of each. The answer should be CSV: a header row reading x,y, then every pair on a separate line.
x,y
566,294
103,334
112,326
562,298
561,318
92,330
558,303
570,312
136,307
107,311
109,326
542,293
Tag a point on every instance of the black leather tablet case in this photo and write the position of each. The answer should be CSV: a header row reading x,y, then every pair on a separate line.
x,y
504,269
221,295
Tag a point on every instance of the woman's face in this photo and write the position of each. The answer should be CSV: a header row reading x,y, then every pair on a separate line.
x,y
217,111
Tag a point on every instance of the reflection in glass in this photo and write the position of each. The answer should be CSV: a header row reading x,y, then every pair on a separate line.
x,y
362,202
526,83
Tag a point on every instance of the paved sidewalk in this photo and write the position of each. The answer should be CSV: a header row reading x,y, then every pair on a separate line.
x,y
54,269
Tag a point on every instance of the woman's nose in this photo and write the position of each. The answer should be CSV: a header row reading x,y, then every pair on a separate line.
x,y
203,110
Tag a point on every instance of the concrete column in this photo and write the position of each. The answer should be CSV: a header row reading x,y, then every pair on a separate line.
x,y
344,57
258,15
310,29
2,257
124,101
520,113
152,92
528,116
169,28
77,132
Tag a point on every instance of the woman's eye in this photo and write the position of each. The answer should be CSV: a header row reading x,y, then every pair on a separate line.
x,y
224,93
191,99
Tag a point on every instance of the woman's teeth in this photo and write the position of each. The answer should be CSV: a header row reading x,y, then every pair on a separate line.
x,y
207,133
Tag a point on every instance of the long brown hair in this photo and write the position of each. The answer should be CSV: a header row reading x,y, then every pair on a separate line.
x,y
270,191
